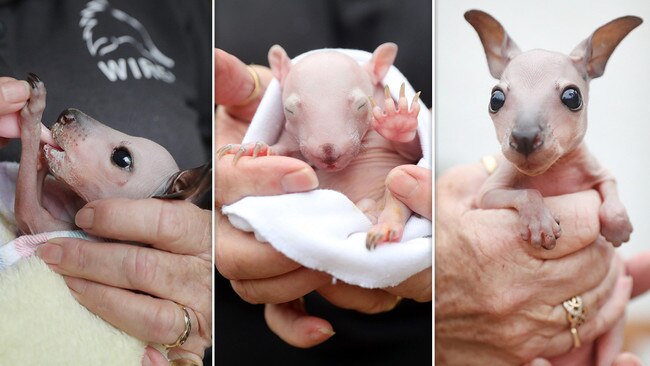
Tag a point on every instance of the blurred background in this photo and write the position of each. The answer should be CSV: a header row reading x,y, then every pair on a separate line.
x,y
619,102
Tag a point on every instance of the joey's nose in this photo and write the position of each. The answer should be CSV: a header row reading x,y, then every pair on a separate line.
x,y
330,155
67,116
526,140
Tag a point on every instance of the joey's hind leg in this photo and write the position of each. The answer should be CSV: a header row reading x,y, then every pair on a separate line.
x,y
390,223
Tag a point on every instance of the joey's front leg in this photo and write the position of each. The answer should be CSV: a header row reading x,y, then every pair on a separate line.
x,y
538,224
396,123
615,225
31,217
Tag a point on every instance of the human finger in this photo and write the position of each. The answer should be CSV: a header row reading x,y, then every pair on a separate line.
x,y
416,287
239,256
171,276
610,344
627,359
144,317
173,226
291,323
153,357
265,176
638,267
237,87
13,95
280,289
599,322
411,184
368,301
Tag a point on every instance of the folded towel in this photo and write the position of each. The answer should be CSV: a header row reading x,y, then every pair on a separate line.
x,y
323,229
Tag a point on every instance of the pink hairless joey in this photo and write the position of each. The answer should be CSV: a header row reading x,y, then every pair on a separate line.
x,y
89,161
333,123
539,110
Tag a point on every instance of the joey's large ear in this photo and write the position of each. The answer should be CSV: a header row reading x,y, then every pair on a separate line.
x,y
189,184
591,55
280,63
381,61
499,47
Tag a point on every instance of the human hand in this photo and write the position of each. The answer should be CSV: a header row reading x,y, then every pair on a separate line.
x,y
500,301
137,288
13,96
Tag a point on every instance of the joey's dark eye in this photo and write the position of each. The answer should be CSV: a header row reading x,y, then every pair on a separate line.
x,y
361,106
497,100
571,98
122,158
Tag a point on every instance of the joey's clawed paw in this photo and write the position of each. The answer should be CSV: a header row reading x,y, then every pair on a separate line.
x,y
539,226
615,225
396,123
253,149
32,112
383,233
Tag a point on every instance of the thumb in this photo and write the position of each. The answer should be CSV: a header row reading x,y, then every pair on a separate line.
x,y
292,324
411,184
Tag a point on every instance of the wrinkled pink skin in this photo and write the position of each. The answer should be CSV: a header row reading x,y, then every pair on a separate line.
x,y
328,124
533,83
82,166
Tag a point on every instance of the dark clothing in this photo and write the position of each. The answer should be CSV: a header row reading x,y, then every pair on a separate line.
x,y
69,45
247,29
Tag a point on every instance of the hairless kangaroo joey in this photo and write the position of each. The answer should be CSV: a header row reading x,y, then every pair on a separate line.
x,y
333,123
539,110
88,161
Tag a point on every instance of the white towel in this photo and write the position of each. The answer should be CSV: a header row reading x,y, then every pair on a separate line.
x,y
323,229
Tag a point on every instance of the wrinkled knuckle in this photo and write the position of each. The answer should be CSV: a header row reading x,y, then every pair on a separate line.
x,y
145,267
80,257
172,225
225,262
246,291
163,323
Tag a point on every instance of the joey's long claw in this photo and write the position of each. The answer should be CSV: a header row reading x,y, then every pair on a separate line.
x,y
402,91
387,92
239,154
415,99
372,101
225,149
33,80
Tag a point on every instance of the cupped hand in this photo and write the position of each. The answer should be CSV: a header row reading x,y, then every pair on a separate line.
x,y
139,289
502,299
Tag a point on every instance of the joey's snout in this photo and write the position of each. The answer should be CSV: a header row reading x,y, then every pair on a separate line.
x,y
526,139
66,117
330,154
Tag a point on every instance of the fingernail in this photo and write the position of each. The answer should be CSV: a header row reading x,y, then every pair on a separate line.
x,y
15,91
84,218
50,253
75,284
302,180
323,330
402,184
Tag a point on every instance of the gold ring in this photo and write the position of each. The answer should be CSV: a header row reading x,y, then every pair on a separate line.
x,y
257,89
489,163
576,314
186,332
